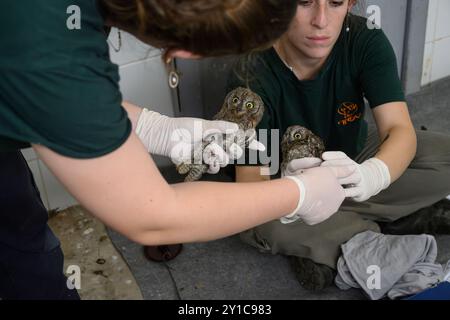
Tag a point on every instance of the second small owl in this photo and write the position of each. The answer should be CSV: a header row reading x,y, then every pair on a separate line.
x,y
299,142
241,106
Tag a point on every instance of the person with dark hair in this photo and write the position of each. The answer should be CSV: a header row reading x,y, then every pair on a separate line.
x,y
59,93
317,76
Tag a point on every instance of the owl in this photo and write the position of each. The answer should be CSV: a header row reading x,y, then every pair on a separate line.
x,y
299,142
243,107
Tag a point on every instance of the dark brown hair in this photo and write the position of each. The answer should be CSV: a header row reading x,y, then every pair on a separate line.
x,y
203,27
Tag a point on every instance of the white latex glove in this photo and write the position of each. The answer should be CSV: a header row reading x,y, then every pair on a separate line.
x,y
369,179
321,193
296,165
177,138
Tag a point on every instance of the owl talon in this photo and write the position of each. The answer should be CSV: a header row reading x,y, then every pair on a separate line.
x,y
183,168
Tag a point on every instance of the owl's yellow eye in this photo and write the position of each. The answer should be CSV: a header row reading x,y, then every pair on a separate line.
x,y
297,136
250,105
235,100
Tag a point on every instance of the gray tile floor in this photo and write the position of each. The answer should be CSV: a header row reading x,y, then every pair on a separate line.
x,y
229,269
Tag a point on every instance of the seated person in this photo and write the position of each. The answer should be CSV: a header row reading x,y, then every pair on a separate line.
x,y
317,76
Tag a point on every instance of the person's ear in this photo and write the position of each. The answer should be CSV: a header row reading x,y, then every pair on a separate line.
x,y
181,54
351,4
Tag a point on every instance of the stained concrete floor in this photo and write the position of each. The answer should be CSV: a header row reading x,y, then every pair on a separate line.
x,y
229,269
103,273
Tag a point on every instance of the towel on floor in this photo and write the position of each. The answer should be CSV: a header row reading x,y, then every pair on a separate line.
x,y
390,265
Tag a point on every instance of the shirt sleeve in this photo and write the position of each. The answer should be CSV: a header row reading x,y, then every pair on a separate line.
x,y
379,73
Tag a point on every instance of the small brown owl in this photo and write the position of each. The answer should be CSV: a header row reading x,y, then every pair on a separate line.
x,y
241,106
299,142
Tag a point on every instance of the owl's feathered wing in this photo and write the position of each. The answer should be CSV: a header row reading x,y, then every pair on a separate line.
x,y
222,114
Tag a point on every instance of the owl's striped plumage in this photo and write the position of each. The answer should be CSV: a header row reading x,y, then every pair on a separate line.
x,y
241,106
299,142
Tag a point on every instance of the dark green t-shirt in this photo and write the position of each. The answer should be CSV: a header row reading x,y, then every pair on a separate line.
x,y
361,64
58,86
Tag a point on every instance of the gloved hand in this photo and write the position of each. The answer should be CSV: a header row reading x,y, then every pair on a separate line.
x,y
369,179
321,193
299,164
178,137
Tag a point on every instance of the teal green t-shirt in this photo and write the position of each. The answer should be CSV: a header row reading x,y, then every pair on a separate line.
x,y
361,65
58,87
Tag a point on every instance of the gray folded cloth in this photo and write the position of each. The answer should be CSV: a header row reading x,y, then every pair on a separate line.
x,y
390,265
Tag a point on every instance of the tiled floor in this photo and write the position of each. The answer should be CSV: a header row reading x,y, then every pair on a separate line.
x,y
229,269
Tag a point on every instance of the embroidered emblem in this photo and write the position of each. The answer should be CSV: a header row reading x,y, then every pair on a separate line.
x,y
350,112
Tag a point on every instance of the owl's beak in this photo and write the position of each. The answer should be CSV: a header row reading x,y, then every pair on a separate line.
x,y
240,111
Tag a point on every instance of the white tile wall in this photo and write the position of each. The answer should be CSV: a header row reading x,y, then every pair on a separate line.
x,y
427,63
441,59
132,49
37,174
143,74
29,154
431,20
143,82
143,78
442,20
437,46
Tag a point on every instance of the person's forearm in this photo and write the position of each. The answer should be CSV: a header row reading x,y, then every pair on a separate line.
x,y
237,207
398,149
251,174
125,191
206,211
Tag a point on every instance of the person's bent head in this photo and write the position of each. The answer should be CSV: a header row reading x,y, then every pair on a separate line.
x,y
203,27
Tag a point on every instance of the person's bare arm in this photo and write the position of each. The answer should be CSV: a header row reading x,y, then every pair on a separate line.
x,y
126,191
133,113
398,135
250,174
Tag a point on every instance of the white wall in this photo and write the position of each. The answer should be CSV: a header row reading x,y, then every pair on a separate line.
x,y
437,44
143,82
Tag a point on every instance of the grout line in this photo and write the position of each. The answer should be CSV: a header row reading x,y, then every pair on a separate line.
x,y
436,14
127,64
441,38
430,76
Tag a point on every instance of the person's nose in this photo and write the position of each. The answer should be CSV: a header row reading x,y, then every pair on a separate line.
x,y
320,19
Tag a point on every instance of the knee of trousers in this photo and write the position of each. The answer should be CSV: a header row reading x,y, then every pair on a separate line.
x,y
433,150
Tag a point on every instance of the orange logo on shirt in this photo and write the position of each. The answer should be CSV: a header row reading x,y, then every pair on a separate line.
x,y
350,112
